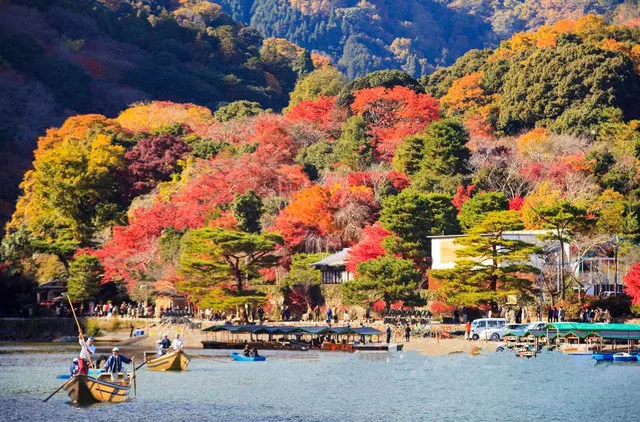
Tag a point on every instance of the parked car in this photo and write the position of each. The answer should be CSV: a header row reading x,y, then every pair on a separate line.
x,y
496,334
478,326
522,329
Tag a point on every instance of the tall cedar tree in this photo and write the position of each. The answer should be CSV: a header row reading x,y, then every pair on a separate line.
x,y
412,217
84,278
247,210
387,278
489,267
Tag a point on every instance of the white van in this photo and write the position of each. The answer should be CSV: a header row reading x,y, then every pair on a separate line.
x,y
479,325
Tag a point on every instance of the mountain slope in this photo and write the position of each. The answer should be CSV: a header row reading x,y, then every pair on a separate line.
x,y
64,57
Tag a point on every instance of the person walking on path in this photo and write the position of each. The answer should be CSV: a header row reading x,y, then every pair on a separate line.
x,y
388,331
561,313
407,333
329,314
467,331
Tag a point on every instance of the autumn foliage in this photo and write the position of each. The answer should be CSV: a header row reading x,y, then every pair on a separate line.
x,y
393,114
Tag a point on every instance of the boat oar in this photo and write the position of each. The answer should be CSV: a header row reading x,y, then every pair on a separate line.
x,y
135,388
54,393
141,365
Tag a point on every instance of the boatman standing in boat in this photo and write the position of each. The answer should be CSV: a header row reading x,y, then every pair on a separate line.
x,y
178,344
166,343
88,349
114,363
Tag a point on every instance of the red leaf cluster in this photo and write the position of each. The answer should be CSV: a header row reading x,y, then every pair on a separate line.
x,y
369,247
632,283
393,114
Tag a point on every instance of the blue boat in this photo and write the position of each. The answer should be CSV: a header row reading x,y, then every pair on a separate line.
x,y
93,373
624,357
603,357
241,358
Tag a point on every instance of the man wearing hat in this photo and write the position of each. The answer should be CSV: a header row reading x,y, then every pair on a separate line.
x,y
166,343
178,344
88,349
114,363
73,370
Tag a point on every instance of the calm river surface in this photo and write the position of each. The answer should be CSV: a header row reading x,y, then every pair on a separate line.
x,y
314,386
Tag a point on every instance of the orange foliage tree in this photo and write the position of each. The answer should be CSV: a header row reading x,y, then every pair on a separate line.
x,y
393,114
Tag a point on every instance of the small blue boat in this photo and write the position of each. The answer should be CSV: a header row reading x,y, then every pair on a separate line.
x,y
241,358
624,357
92,373
603,357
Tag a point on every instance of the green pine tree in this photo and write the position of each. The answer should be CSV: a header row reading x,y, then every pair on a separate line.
x,y
489,267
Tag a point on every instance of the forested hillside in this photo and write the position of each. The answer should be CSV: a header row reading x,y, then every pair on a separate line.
x,y
64,57
541,132
414,36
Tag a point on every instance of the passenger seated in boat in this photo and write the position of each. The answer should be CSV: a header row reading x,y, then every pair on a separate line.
x,y
73,370
114,363
253,352
160,349
247,351
166,343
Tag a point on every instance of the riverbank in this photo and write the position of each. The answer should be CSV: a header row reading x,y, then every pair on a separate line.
x,y
438,347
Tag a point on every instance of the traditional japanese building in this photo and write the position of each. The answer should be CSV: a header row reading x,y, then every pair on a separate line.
x,y
333,268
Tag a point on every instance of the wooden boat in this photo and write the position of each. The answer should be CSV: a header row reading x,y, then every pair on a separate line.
x,y
85,390
624,357
378,347
176,360
241,358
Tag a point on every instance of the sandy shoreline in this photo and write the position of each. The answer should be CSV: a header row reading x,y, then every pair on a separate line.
x,y
193,340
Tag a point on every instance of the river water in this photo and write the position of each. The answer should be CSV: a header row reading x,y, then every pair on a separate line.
x,y
315,386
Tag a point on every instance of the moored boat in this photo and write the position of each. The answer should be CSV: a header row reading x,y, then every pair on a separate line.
x,y
603,357
85,390
378,347
172,361
241,358
624,357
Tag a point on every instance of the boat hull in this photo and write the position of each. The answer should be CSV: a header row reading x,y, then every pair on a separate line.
x,y
240,358
378,347
85,390
624,357
173,361
603,357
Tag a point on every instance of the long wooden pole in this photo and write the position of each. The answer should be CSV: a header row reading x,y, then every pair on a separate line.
x,y
59,388
84,344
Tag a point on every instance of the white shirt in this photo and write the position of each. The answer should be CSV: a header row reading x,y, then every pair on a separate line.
x,y
177,344
83,352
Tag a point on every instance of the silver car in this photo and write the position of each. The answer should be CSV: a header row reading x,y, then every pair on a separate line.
x,y
496,334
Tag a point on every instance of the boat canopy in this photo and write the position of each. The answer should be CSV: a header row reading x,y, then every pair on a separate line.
x,y
582,330
283,329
